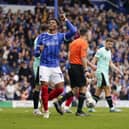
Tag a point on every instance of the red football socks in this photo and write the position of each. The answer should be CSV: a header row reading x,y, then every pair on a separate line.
x,y
44,96
55,93
69,101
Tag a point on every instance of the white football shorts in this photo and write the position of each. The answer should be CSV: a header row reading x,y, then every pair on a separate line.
x,y
51,74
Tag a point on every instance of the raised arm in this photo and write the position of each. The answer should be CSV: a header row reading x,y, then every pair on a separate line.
x,y
72,29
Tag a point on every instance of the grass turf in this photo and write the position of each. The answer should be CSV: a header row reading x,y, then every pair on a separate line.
x,y
22,118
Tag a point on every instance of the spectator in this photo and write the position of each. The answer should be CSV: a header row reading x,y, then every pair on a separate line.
x,y
10,90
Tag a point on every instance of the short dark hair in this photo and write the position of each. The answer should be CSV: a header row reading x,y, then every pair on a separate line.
x,y
83,31
110,40
57,21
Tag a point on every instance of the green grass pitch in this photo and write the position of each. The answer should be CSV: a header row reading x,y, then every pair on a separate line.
x,y
22,118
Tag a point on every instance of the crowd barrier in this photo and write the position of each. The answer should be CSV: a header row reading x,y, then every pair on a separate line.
x,y
29,104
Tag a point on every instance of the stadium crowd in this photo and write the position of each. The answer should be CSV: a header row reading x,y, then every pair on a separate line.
x,y
18,31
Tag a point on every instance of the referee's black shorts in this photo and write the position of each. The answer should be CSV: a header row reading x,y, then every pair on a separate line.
x,y
76,74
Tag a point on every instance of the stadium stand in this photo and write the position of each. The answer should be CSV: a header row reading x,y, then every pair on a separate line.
x,y
18,31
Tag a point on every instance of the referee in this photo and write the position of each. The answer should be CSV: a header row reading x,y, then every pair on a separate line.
x,y
77,68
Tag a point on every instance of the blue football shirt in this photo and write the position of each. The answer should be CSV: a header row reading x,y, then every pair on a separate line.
x,y
52,44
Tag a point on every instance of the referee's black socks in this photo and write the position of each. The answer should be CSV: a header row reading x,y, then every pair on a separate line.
x,y
65,97
81,99
96,98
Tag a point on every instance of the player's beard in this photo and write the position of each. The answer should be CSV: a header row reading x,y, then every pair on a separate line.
x,y
107,49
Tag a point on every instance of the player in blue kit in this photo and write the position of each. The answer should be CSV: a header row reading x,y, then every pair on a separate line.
x,y
48,49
